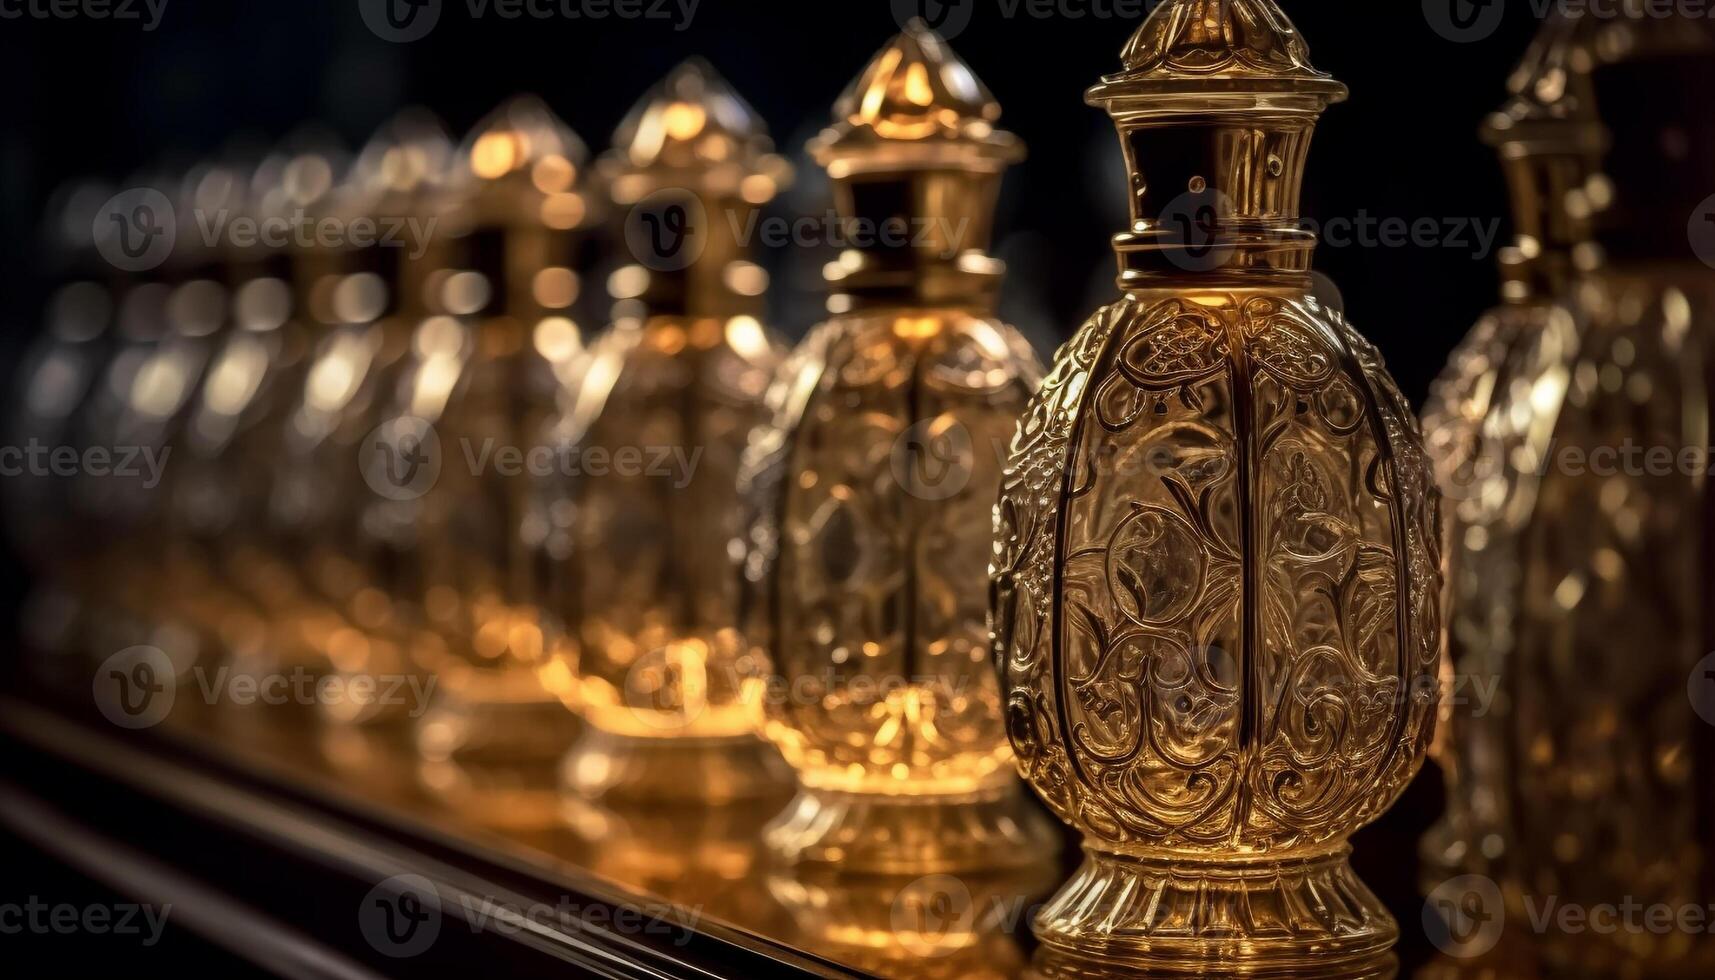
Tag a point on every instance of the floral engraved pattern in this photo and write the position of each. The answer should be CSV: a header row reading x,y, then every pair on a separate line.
x,y
1216,578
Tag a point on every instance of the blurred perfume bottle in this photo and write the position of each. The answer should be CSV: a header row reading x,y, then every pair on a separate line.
x,y
333,490
1216,579
58,378
873,489
487,376
664,402
1576,451
172,322
220,578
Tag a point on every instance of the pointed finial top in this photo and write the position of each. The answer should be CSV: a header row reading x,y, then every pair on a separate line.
x,y
692,119
1230,47
915,100
520,136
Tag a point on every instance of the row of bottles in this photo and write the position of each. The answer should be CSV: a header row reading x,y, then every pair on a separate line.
x,y
1204,622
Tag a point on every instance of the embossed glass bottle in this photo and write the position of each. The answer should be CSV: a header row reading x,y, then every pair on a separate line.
x,y
1216,579
873,489
664,402
1584,774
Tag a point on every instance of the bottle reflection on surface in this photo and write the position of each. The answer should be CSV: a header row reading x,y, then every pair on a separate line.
x,y
663,404
873,489
703,860
930,926
1579,549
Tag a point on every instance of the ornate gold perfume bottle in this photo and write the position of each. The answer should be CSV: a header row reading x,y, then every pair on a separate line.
x,y
1216,580
487,375
664,402
1579,557
873,488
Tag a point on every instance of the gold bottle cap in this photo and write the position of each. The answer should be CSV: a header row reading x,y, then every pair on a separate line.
x,y
916,163
523,137
916,105
1216,108
693,132
524,165
1218,55
1552,107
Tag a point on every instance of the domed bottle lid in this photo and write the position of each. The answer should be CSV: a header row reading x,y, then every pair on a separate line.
x,y
1216,55
916,105
693,132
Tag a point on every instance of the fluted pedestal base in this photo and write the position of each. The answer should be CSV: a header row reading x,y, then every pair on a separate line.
x,y
1175,914
876,834
621,768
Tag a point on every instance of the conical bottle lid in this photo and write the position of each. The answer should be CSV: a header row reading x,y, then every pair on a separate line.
x,y
694,132
915,105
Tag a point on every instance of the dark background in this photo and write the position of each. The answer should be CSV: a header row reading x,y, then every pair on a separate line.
x,y
105,99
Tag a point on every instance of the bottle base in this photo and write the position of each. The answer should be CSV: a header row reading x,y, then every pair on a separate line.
x,y
1171,914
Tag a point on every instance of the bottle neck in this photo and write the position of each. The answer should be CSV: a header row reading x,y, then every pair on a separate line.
x,y
694,263
1554,201
1215,201
915,238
